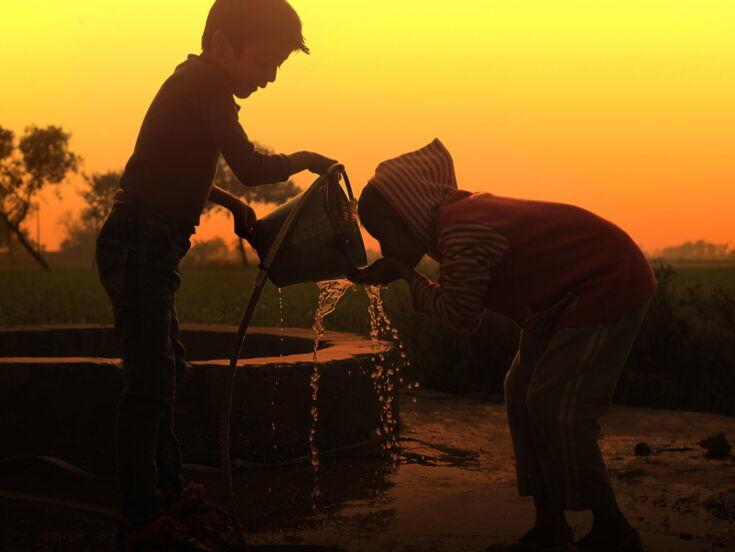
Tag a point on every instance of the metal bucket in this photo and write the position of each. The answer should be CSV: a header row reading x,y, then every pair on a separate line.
x,y
324,241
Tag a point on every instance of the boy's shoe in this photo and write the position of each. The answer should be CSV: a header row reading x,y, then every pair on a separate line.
x,y
193,510
164,534
594,543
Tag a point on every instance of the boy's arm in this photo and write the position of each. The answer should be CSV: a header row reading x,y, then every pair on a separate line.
x,y
469,253
242,214
251,167
225,199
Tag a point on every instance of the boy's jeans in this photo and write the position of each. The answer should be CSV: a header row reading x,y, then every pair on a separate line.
x,y
138,262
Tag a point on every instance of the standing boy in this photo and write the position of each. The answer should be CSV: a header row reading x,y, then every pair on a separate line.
x,y
165,186
577,285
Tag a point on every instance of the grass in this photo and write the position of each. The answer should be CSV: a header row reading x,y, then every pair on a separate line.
x,y
214,296
706,275
218,296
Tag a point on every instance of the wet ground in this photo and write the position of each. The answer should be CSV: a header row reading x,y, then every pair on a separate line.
x,y
453,489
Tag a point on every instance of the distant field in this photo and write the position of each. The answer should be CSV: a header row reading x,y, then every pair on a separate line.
x,y
218,296
706,275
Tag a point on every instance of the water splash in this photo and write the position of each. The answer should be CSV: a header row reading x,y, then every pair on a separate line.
x,y
281,319
330,292
275,379
354,214
385,378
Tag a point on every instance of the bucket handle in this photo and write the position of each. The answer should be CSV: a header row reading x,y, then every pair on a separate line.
x,y
335,172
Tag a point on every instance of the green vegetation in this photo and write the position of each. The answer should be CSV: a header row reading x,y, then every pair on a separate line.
x,y
684,358
218,296
214,296
707,275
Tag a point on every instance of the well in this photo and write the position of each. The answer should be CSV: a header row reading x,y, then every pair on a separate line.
x,y
59,386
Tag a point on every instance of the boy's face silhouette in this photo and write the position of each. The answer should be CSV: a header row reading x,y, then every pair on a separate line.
x,y
255,67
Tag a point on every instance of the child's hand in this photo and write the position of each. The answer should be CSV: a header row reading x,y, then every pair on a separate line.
x,y
381,272
245,220
314,162
319,164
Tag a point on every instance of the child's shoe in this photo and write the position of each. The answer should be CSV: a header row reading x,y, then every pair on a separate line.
x,y
533,542
193,510
594,543
164,534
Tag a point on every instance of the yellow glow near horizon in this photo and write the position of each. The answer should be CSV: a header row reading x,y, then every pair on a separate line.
x,y
625,108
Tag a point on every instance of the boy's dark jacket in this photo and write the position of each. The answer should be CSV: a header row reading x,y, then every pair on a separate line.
x,y
192,119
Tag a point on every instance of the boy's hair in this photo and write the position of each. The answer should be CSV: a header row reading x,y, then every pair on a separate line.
x,y
246,20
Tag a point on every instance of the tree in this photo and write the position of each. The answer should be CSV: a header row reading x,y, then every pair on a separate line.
x,y
41,158
81,232
275,194
6,241
99,195
699,250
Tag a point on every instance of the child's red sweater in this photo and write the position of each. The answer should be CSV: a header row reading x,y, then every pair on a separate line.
x,y
545,265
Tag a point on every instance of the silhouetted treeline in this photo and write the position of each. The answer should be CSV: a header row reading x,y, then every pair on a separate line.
x,y
699,250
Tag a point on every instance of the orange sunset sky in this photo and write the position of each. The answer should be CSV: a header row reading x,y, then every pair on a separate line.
x,y
624,107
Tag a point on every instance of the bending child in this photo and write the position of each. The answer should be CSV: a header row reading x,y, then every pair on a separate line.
x,y
576,284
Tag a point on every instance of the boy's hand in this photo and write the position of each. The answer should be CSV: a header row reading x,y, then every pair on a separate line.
x,y
308,160
319,164
382,272
245,220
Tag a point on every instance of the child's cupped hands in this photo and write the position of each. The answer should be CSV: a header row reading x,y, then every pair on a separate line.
x,y
382,272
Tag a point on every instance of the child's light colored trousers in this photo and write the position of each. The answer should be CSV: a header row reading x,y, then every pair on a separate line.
x,y
556,391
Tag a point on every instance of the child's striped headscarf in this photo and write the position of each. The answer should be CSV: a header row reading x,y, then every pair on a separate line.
x,y
415,184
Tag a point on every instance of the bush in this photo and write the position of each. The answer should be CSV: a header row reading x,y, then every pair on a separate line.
x,y
212,253
684,357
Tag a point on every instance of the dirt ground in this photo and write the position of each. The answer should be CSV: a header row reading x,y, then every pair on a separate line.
x,y
454,489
